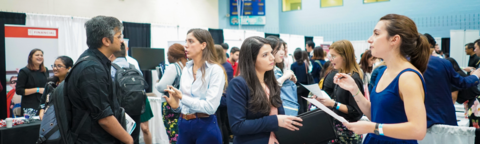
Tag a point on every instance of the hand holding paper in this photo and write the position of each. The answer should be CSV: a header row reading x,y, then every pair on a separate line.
x,y
316,91
325,109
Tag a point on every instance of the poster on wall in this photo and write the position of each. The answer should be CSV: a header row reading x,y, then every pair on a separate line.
x,y
19,41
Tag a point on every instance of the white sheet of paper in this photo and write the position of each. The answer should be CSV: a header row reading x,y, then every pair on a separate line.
x,y
325,109
317,91
130,124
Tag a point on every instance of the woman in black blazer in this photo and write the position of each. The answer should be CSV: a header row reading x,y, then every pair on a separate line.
x,y
31,80
253,99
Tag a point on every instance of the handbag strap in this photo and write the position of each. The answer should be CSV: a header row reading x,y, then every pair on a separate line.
x,y
306,67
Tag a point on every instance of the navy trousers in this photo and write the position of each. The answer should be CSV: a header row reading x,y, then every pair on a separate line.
x,y
199,131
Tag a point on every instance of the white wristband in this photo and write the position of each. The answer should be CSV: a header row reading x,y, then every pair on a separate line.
x,y
380,129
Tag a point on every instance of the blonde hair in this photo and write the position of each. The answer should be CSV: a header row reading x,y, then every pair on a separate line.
x,y
344,48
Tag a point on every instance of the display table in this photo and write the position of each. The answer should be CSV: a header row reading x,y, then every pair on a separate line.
x,y
20,134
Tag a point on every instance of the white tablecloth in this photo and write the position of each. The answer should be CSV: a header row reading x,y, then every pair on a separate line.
x,y
445,134
157,129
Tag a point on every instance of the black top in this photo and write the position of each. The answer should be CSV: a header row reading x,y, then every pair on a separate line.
x,y
473,61
49,88
328,84
30,79
300,72
89,89
345,98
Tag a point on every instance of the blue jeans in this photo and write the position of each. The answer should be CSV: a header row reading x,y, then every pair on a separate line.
x,y
199,131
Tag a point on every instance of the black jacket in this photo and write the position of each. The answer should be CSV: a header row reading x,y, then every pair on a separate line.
x,y
89,89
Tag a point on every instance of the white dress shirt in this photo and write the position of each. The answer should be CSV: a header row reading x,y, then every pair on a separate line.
x,y
133,61
199,96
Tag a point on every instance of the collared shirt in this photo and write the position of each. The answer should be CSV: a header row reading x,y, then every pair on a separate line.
x,y
123,63
472,61
89,89
201,96
234,66
134,62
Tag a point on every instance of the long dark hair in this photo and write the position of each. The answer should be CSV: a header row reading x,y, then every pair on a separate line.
x,y
365,60
298,55
327,68
276,43
318,53
414,45
455,65
30,64
258,100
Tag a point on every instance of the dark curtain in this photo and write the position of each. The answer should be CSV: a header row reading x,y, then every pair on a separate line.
x,y
308,38
6,18
217,35
139,35
445,45
271,34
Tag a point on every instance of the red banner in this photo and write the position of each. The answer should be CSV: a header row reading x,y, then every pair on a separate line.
x,y
30,32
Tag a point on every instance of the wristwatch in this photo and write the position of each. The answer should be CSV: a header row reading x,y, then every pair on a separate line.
x,y
376,129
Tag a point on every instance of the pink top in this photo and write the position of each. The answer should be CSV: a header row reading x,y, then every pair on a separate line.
x,y
273,111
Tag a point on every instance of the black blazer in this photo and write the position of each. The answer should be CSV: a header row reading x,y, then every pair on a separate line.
x,y
248,127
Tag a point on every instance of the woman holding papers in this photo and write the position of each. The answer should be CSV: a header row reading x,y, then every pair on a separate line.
x,y
255,108
285,78
343,60
396,107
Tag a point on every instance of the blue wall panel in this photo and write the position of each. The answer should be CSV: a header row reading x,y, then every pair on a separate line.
x,y
355,20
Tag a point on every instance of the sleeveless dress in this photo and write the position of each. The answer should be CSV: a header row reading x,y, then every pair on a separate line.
x,y
387,107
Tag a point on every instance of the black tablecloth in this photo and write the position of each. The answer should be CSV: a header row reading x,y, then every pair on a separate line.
x,y
20,134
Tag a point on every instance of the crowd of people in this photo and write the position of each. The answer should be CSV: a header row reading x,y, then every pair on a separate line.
x,y
403,84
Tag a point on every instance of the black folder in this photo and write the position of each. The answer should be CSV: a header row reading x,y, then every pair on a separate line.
x,y
317,127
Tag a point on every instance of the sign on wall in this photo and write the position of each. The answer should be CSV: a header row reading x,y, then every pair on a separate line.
x,y
252,12
248,8
19,41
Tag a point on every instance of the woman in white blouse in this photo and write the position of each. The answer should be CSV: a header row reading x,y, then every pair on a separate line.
x,y
172,75
201,86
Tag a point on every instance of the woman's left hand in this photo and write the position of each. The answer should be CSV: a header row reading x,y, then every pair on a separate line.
x,y
172,91
324,101
293,78
360,127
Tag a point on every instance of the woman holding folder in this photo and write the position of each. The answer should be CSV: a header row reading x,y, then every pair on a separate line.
x,y
342,103
255,108
396,107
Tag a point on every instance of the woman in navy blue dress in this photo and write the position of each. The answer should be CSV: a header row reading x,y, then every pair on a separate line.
x,y
396,107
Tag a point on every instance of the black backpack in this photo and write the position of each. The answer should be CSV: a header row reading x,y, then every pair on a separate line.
x,y
129,87
54,128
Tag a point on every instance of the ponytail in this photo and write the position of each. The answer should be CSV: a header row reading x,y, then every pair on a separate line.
x,y
414,45
421,54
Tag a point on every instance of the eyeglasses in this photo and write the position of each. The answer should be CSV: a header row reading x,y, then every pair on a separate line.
x,y
331,57
13,82
57,66
120,37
